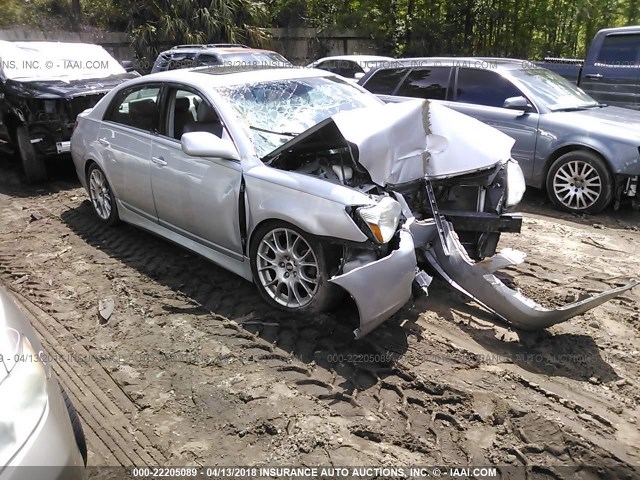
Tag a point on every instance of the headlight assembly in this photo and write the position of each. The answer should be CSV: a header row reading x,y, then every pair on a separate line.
x,y
382,218
23,394
515,184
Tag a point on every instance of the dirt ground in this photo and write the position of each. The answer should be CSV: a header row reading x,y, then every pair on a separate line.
x,y
192,368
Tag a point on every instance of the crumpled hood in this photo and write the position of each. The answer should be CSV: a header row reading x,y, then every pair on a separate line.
x,y
401,142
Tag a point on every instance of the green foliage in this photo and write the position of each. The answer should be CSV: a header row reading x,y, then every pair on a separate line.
x,y
515,28
106,14
12,13
56,14
156,24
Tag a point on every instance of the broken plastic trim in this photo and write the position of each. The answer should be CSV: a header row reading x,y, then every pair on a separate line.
x,y
477,281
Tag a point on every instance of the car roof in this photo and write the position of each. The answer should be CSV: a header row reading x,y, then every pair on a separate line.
x,y
233,75
218,48
356,58
478,62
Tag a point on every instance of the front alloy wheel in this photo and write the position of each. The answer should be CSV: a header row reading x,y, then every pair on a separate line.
x,y
101,195
290,269
580,182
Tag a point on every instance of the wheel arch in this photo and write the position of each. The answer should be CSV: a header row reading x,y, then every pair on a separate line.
x,y
328,247
87,164
275,220
556,154
12,121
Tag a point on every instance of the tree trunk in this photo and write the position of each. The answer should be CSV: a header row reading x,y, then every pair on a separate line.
x,y
76,14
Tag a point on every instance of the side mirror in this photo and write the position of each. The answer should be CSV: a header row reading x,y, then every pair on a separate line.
x,y
127,65
517,103
205,144
358,75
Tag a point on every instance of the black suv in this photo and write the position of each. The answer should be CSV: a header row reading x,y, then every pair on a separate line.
x,y
43,87
228,54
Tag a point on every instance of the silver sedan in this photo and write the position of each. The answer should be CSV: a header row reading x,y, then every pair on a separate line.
x,y
40,431
305,184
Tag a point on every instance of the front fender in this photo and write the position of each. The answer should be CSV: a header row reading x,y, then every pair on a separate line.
x,y
314,205
622,158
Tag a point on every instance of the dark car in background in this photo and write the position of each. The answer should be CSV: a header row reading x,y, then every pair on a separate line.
x,y
43,87
584,153
611,71
227,54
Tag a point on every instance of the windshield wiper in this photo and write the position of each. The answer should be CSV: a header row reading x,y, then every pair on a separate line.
x,y
286,134
573,109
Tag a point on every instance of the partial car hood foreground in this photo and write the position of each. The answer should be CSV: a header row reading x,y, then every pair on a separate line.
x,y
388,144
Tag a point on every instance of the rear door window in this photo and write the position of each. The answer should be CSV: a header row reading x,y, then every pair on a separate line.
x,y
136,107
428,82
182,60
206,59
385,81
622,50
347,68
484,87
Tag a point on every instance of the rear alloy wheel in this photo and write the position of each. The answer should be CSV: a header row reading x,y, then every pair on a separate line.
x,y
102,199
35,170
580,182
290,269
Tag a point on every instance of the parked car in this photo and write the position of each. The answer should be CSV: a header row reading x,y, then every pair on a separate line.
x,y
39,426
43,86
306,185
583,152
350,66
215,54
611,71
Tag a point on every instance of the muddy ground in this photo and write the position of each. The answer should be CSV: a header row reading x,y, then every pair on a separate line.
x,y
192,368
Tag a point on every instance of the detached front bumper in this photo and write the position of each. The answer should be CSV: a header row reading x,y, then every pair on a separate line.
x,y
380,288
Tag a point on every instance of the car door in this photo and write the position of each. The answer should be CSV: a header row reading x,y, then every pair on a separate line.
x,y
126,134
612,77
194,196
480,93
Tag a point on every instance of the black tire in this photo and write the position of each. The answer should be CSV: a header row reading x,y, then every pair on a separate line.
x,y
580,182
325,296
78,432
33,165
101,195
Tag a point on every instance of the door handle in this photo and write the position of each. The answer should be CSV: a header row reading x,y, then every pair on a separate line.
x,y
158,161
593,75
103,142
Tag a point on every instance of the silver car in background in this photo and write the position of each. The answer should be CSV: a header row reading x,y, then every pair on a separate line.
x,y
39,427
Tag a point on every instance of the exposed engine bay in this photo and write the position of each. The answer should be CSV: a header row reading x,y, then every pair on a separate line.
x,y
473,202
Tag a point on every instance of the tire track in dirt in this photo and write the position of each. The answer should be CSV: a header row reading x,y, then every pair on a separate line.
x,y
387,402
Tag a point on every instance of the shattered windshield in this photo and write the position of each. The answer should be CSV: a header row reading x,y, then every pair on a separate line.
x,y
276,111
555,92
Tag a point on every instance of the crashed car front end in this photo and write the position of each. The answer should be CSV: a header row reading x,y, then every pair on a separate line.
x,y
49,114
420,169
43,88
426,161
